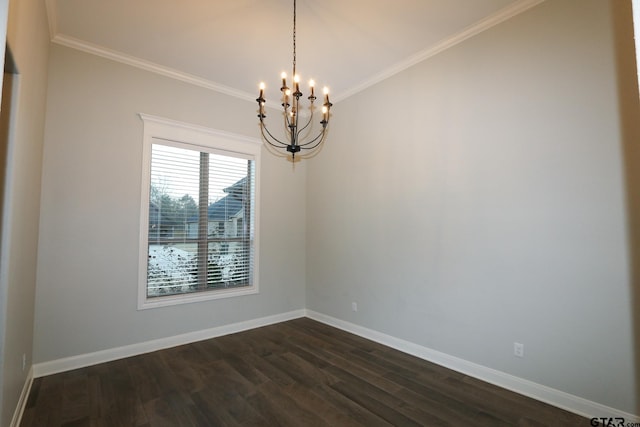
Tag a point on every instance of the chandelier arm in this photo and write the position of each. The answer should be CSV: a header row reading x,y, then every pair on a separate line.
x,y
320,135
306,125
287,123
275,145
323,134
264,128
276,151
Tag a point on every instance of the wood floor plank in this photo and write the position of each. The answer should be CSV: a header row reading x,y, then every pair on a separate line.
x,y
185,374
301,371
366,399
47,407
345,405
383,403
146,383
295,373
270,413
224,378
308,399
367,372
287,410
439,414
215,413
159,413
76,399
246,369
264,366
444,402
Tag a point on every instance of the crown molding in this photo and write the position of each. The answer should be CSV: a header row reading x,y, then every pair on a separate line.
x,y
133,61
472,30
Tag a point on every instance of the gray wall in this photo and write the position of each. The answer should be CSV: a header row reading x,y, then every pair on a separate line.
x,y
478,198
28,39
88,252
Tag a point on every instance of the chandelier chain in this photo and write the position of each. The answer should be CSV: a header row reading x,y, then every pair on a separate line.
x,y
294,38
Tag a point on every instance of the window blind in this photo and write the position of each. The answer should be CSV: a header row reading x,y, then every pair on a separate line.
x,y
201,217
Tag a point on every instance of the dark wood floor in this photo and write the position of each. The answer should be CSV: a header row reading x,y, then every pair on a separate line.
x,y
297,373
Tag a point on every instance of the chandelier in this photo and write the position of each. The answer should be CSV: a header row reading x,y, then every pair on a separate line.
x,y
297,128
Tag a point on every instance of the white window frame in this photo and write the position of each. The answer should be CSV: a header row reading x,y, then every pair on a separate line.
x,y
212,140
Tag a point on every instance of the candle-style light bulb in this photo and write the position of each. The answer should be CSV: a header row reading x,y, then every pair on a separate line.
x,y
296,80
326,95
262,86
284,79
285,101
311,85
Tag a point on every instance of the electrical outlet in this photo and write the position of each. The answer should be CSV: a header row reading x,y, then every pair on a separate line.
x,y
354,306
518,349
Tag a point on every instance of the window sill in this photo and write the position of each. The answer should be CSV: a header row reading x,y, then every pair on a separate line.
x,y
156,302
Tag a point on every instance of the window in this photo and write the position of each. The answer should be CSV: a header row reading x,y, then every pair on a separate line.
x,y
198,222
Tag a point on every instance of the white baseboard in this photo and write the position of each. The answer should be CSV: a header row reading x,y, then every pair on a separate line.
x,y
22,402
80,361
557,398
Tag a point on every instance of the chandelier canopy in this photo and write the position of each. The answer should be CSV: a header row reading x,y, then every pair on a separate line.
x,y
297,128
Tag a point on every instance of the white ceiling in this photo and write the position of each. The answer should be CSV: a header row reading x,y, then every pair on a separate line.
x,y
232,45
